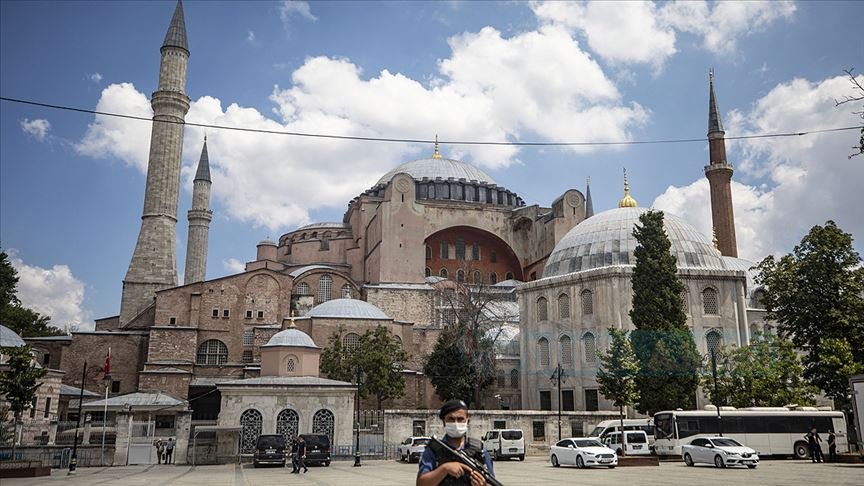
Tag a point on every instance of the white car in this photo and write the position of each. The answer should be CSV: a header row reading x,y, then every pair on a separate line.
x,y
412,448
582,452
504,443
720,451
637,443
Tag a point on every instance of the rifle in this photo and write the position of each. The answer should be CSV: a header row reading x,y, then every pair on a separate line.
x,y
448,454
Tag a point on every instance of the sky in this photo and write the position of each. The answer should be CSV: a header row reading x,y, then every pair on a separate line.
x,y
72,184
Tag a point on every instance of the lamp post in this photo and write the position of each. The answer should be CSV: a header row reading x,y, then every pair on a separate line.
x,y
712,355
557,375
357,433
107,382
73,462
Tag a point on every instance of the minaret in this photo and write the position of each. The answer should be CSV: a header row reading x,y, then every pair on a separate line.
x,y
199,222
154,262
589,205
719,174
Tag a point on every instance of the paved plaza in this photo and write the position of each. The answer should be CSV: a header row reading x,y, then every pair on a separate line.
x,y
534,471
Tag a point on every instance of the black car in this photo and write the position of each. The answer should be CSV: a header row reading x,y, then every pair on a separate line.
x,y
317,449
270,449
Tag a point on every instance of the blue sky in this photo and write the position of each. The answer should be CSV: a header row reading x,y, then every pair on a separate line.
x,y
71,184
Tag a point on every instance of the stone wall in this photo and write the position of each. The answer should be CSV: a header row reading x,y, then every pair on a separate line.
x,y
408,304
128,352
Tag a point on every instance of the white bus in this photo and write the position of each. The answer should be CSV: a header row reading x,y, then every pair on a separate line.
x,y
768,430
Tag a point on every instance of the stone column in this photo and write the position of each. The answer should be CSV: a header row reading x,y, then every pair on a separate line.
x,y
121,445
182,430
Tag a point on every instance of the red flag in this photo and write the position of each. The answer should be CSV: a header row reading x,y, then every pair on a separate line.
x,y
107,369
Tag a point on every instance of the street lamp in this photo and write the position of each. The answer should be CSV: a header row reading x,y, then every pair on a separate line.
x,y
712,355
73,462
558,376
359,379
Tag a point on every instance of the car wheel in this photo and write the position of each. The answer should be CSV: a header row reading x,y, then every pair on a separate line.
x,y
751,466
688,460
255,464
495,456
555,461
522,457
718,461
619,452
579,462
801,451
611,467
327,464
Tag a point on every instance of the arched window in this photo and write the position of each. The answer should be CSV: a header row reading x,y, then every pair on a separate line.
x,y
303,288
709,302
543,352
501,379
325,283
397,340
493,278
322,423
250,429
542,311
563,306
460,248
685,301
443,273
212,352
288,424
478,277
291,364
428,272
589,345
713,341
428,252
509,276
351,341
587,302
346,291
514,378
566,350
445,250
460,276
758,299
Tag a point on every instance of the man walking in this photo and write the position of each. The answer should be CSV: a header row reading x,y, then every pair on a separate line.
x,y
301,455
832,446
295,469
813,441
169,451
160,450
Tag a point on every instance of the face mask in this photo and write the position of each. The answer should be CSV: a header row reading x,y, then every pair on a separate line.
x,y
456,430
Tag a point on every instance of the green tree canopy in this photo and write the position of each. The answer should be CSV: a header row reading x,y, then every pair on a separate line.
x,y
664,347
449,369
19,381
13,315
815,296
617,374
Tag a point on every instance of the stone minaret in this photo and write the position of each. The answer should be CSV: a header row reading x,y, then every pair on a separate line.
x,y
719,174
199,222
154,262
589,204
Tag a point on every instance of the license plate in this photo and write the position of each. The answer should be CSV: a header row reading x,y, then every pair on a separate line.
x,y
512,449
605,461
637,447
271,451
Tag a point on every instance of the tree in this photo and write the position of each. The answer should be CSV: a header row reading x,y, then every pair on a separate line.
x,y
378,355
766,373
617,375
8,281
25,322
664,346
19,382
858,96
816,296
449,369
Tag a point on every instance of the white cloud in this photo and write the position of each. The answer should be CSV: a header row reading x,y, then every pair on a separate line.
x,y
37,128
250,36
536,84
234,265
127,140
292,8
809,179
95,77
53,292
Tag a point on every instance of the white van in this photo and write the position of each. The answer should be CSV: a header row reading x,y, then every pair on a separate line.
x,y
637,443
505,443
606,427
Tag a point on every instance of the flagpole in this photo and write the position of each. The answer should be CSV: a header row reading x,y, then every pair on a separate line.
x,y
105,411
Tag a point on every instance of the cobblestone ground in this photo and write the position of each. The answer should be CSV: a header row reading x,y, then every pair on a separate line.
x,y
534,471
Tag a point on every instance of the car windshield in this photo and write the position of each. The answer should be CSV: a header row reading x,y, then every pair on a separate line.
x,y
419,442
511,434
636,438
588,443
725,443
317,440
597,431
271,441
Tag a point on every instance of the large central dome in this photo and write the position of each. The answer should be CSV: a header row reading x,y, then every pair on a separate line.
x,y
606,239
432,168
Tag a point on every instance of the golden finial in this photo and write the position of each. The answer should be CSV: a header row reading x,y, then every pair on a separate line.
x,y
714,239
292,321
437,154
627,201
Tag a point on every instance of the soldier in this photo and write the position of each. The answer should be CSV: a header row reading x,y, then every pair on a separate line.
x,y
454,416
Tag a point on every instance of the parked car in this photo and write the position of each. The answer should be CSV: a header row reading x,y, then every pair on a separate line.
x,y
582,452
270,449
720,451
606,427
412,448
317,448
637,443
505,443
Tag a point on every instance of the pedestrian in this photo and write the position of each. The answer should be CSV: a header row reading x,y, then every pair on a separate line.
x,y
294,467
301,455
160,450
169,451
432,472
813,441
832,446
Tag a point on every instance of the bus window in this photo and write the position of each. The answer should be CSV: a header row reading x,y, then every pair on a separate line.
x,y
664,426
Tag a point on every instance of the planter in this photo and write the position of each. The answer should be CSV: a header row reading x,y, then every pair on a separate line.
x,y
23,469
638,461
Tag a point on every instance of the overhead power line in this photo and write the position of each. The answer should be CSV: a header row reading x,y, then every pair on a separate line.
x,y
423,141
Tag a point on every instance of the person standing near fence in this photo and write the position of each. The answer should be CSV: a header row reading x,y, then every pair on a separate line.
x,y
160,450
169,451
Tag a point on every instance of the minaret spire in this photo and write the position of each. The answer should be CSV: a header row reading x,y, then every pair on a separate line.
x,y
715,125
176,35
199,218
719,174
589,205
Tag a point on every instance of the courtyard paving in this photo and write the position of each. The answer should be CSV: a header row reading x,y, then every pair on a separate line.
x,y
534,471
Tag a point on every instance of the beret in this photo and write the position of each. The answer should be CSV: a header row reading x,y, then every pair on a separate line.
x,y
451,406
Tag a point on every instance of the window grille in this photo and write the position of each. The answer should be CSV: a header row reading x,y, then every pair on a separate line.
x,y
590,345
322,423
566,350
445,250
587,302
713,341
563,306
351,341
291,365
514,378
247,356
288,424
543,351
260,314
248,314
443,273
215,313
226,313
709,302
324,285
542,310
475,251
460,248
685,301
248,337
302,289
250,423
212,352
346,291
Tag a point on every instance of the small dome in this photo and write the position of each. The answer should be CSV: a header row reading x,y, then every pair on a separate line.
x,y
443,168
9,338
506,339
291,337
348,309
606,239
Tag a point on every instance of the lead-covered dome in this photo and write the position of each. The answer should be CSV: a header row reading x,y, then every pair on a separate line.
x,y
433,168
291,337
9,338
606,239
347,309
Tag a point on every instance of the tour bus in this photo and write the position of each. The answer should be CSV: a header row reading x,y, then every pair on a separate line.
x,y
768,430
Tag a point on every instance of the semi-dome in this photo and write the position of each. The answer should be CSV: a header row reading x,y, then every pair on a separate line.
x,y
347,309
291,337
606,239
9,338
432,168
